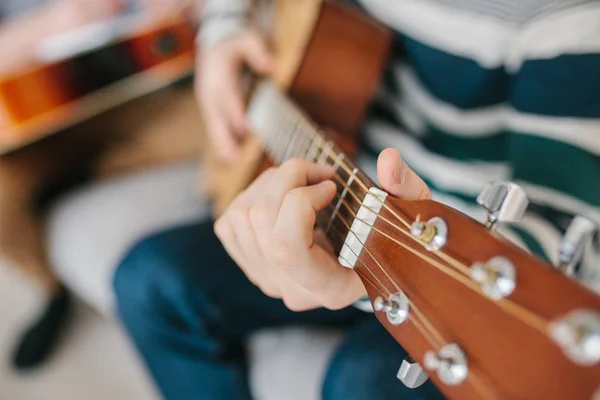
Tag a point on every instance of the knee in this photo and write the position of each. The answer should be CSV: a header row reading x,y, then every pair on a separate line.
x,y
347,378
140,277
364,367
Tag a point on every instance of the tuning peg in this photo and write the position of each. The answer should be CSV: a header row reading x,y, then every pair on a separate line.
x,y
578,334
504,202
449,362
411,373
578,236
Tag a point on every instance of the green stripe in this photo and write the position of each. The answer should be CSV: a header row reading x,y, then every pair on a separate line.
x,y
371,151
556,165
461,196
492,148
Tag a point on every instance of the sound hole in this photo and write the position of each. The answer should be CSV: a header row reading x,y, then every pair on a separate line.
x,y
165,44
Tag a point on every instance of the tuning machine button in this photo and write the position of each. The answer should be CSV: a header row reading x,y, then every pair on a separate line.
x,y
449,362
578,334
504,202
496,277
578,236
396,307
411,373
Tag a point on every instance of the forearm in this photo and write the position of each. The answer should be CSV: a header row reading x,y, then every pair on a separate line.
x,y
20,35
222,19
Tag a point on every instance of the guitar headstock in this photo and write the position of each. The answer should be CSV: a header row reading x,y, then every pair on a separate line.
x,y
482,317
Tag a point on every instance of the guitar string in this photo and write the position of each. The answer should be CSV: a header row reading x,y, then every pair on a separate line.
x,y
428,335
525,315
431,335
341,163
536,321
505,302
425,320
345,167
459,267
422,330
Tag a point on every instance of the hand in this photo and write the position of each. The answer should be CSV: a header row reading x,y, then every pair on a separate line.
x,y
69,14
219,91
269,231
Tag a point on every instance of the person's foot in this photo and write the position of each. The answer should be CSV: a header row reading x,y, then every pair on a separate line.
x,y
41,337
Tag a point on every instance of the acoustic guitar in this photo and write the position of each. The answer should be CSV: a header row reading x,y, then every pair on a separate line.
x,y
481,317
90,71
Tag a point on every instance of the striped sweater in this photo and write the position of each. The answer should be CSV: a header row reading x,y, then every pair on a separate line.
x,y
482,90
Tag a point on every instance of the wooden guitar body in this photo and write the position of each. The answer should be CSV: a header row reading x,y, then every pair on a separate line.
x,y
329,59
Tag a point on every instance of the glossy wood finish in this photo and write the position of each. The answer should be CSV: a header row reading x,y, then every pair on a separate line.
x,y
341,68
509,352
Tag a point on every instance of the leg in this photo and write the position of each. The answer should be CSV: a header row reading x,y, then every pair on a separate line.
x,y
188,308
364,367
25,176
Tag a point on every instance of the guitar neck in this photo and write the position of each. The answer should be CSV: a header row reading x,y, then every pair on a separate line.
x,y
467,305
287,133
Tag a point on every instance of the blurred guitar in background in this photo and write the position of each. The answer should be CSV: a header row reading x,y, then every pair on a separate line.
x,y
89,70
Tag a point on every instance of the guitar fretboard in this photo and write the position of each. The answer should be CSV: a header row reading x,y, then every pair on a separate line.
x,y
287,133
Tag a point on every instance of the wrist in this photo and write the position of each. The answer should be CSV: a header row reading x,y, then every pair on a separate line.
x,y
215,30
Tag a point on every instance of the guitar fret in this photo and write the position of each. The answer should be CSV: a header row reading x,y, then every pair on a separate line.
x,y
287,132
312,154
325,154
305,137
277,144
341,199
291,148
340,158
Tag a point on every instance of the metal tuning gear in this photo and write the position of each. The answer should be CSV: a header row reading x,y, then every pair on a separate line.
x,y
411,373
433,232
396,307
578,236
449,362
578,334
504,202
496,277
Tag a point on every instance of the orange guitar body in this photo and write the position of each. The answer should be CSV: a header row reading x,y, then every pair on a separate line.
x,y
46,98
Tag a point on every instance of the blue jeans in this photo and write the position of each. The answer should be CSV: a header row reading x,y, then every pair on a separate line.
x,y
189,309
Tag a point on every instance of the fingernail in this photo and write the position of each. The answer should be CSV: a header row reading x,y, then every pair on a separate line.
x,y
400,172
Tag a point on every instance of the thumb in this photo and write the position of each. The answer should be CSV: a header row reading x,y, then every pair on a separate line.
x,y
255,52
398,179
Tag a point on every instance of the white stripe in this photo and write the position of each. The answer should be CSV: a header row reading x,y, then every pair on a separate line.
x,y
544,233
590,268
477,213
487,40
471,209
573,31
483,122
479,37
578,132
445,173
560,201
363,305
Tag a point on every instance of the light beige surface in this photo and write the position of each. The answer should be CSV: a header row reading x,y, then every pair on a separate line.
x,y
94,361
